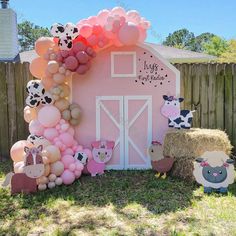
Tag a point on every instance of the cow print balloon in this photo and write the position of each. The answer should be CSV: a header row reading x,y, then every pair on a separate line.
x,y
37,94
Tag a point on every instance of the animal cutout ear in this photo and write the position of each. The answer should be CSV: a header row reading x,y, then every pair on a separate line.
x,y
26,149
110,144
40,148
165,97
181,99
96,144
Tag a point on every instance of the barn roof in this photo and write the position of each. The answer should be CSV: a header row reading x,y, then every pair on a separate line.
x,y
173,55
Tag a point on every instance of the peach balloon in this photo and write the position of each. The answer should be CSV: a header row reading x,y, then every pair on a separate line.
x,y
48,82
38,67
57,168
43,44
53,67
59,78
29,114
42,180
46,160
47,170
53,153
35,127
17,150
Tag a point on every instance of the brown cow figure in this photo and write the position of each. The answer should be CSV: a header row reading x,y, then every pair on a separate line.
x,y
34,168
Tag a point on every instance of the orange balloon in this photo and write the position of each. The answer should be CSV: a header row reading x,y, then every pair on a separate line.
x,y
29,114
47,169
17,150
43,44
38,67
48,82
52,153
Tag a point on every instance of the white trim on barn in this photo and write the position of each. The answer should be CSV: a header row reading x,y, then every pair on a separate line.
x,y
115,53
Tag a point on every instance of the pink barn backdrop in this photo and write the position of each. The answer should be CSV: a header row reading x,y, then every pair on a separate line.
x,y
121,97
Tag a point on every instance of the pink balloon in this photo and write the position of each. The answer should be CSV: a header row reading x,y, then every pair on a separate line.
x,y
129,34
64,53
71,131
133,16
67,139
92,20
72,167
49,116
97,29
67,160
71,63
82,69
77,173
50,133
79,46
118,11
82,57
35,127
102,17
68,177
79,166
89,153
142,35
92,40
86,30
68,151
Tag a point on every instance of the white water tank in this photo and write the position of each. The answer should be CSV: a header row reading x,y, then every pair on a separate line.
x,y
8,33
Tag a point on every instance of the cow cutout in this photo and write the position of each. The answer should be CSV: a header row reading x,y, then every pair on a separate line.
x,y
102,153
177,118
33,168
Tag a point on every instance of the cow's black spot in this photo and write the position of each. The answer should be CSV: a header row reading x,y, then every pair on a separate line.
x,y
66,41
178,120
69,37
27,90
184,113
43,91
75,30
38,103
36,85
33,102
190,120
60,28
69,45
47,99
36,96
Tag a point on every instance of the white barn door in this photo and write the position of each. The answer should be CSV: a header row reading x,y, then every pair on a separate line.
x,y
128,121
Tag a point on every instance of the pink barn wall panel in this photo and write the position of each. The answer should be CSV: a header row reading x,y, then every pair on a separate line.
x,y
153,78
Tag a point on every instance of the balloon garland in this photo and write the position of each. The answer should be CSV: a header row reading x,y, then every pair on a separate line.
x,y
50,114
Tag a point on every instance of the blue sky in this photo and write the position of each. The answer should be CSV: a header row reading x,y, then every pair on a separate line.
x,y
198,16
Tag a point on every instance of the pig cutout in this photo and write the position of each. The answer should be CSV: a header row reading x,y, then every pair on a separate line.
x,y
102,153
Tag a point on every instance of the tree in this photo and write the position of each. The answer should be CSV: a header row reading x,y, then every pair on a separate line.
x,y
28,33
202,39
180,39
230,54
216,46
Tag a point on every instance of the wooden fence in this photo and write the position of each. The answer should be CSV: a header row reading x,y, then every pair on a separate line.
x,y
210,89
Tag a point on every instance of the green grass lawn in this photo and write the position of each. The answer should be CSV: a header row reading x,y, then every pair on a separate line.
x,y
119,203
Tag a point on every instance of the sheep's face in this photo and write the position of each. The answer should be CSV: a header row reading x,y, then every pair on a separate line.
x,y
216,174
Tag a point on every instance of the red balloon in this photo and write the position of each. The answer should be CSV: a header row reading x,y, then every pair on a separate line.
x,y
97,29
82,57
64,53
71,63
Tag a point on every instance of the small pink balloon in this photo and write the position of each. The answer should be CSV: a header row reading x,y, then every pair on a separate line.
x,y
59,78
82,69
71,131
82,57
133,16
67,160
72,167
142,35
36,127
68,177
92,40
89,153
129,34
64,53
102,17
68,151
79,166
97,29
77,173
92,20
50,133
79,148
67,139
120,11
86,30
71,63
49,116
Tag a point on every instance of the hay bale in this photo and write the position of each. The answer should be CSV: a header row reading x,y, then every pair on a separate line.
x,y
186,145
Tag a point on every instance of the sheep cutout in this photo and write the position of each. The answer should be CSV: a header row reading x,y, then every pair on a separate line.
x,y
159,162
215,171
177,118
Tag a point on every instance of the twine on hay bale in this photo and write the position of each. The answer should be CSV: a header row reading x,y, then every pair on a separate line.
x,y
186,145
